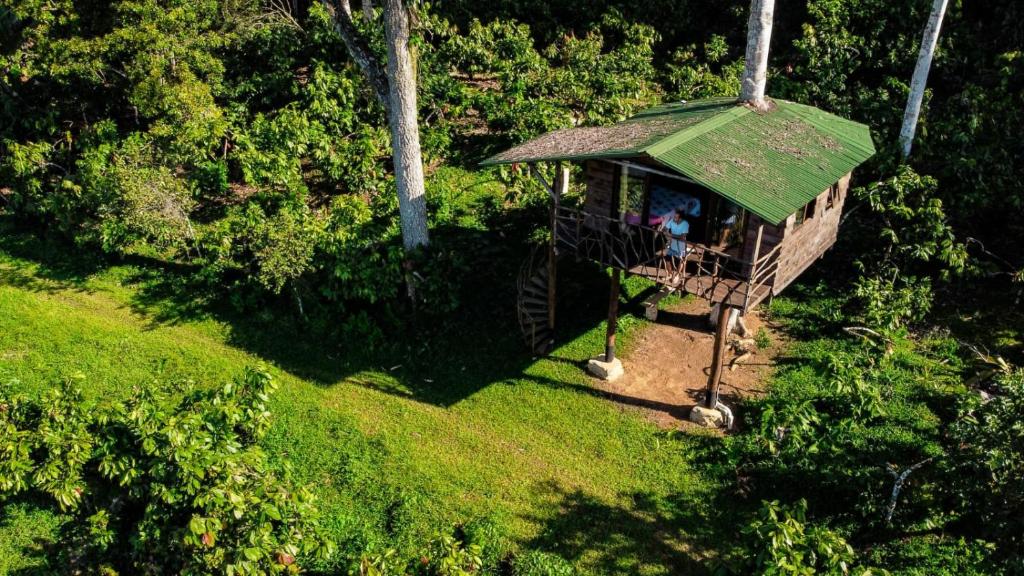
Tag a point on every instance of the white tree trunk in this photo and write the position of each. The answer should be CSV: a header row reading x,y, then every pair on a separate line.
x,y
920,78
759,36
395,88
405,131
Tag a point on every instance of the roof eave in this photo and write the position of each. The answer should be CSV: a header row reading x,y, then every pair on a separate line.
x,y
494,161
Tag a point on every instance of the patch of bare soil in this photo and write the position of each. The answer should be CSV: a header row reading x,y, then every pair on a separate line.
x,y
667,368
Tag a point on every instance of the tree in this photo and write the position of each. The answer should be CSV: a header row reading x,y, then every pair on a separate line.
x,y
920,77
395,87
759,35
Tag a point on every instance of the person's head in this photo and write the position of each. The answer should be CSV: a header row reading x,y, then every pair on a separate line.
x,y
677,216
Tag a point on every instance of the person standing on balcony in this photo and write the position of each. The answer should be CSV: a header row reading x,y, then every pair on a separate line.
x,y
677,228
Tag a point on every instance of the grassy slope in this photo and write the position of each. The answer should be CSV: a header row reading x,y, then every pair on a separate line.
x,y
394,452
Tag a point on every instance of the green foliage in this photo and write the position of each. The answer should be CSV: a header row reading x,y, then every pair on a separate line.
x,y
990,476
935,554
445,555
915,229
825,437
493,544
784,542
576,80
893,301
916,241
537,563
693,74
155,487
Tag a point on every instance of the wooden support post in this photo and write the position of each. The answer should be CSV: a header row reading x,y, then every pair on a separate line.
x,y
613,315
718,356
753,266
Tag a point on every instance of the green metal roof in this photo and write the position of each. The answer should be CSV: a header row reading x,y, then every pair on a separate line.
x,y
771,163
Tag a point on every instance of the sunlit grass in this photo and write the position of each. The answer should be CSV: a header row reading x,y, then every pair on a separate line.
x,y
396,448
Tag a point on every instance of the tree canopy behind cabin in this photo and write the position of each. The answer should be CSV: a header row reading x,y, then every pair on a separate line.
x,y
240,137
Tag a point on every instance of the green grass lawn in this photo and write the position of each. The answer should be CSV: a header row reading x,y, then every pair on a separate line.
x,y
399,441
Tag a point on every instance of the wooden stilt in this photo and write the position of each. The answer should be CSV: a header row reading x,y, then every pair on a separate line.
x,y
613,315
718,356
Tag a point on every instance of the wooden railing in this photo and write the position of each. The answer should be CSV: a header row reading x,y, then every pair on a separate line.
x,y
643,250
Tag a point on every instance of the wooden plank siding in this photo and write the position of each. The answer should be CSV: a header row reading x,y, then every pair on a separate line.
x,y
806,242
600,197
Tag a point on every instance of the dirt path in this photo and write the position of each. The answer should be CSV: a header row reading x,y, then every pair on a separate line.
x,y
667,368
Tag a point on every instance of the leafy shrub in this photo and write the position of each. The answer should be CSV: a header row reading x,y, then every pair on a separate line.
x,y
447,556
444,556
491,540
536,563
781,541
892,302
917,242
990,477
692,75
157,488
934,555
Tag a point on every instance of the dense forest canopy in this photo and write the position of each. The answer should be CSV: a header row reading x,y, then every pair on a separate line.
x,y
237,143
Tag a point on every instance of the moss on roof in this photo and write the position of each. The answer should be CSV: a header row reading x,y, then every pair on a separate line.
x,y
771,163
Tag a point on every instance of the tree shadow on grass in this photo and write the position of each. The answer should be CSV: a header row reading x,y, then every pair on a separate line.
x,y
682,533
435,359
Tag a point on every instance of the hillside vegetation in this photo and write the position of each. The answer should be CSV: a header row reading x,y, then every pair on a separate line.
x,y
216,357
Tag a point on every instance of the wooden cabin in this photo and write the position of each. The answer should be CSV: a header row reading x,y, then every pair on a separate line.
x,y
762,194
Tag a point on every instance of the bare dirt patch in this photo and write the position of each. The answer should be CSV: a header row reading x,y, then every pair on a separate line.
x,y
667,367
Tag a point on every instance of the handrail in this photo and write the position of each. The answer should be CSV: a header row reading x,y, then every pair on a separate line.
x,y
770,253
643,250
573,215
761,271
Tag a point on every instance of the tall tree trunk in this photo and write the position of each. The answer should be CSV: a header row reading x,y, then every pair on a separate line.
x,y
405,131
759,36
920,77
395,88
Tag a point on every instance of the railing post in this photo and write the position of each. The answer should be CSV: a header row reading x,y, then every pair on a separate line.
x,y
753,266
718,355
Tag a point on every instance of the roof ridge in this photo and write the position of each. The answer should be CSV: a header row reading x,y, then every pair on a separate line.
x,y
691,132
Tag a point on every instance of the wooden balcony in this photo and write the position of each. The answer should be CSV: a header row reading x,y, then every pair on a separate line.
x,y
643,251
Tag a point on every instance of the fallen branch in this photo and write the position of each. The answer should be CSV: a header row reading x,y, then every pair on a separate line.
x,y
991,366
900,477
870,335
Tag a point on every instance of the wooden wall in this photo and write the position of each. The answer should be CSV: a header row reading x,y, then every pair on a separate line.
x,y
771,236
808,241
601,178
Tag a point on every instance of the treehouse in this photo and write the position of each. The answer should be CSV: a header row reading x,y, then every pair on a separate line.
x,y
761,194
